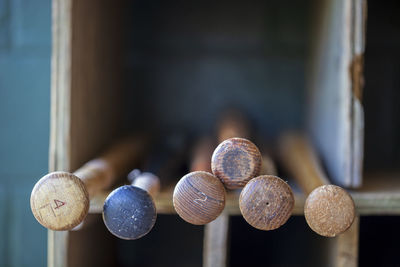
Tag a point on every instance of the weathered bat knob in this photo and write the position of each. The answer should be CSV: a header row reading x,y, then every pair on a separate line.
x,y
59,201
199,197
129,212
329,210
266,202
235,161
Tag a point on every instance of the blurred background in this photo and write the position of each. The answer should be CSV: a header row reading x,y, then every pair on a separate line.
x,y
25,49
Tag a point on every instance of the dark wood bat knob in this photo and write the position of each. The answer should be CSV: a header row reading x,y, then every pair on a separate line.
x,y
129,212
266,202
235,161
329,210
59,201
199,197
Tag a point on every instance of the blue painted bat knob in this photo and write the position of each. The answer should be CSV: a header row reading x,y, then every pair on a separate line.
x,y
129,212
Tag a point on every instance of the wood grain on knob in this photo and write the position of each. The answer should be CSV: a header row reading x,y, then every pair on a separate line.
x,y
59,201
199,197
129,212
235,161
329,210
266,202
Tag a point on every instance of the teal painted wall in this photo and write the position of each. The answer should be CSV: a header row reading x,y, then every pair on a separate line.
x,y
25,48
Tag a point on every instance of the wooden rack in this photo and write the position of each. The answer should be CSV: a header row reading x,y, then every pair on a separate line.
x,y
89,108
374,198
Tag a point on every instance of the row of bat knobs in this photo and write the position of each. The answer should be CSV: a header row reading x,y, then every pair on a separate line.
x,y
60,200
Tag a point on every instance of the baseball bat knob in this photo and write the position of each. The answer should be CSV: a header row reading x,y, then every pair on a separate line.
x,y
199,197
329,210
235,161
266,202
129,212
59,201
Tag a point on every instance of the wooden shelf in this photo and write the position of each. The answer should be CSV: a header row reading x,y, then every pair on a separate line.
x,y
379,196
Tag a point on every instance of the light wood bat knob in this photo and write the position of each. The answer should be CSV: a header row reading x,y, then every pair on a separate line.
x,y
329,210
235,161
199,197
59,201
266,202
129,212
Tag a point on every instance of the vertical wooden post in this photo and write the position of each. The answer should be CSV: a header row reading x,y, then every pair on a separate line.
x,y
216,235
57,242
59,150
347,246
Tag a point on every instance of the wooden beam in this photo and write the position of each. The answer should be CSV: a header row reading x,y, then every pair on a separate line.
x,y
347,246
57,248
60,101
216,236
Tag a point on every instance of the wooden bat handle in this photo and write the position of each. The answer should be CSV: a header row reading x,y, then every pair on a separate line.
x,y
235,161
199,197
268,166
129,212
201,156
231,124
329,210
299,158
146,181
266,202
100,173
60,200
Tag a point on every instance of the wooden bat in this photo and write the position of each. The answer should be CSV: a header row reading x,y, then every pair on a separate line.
x,y
60,200
266,202
129,212
329,210
236,159
268,166
232,123
199,196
